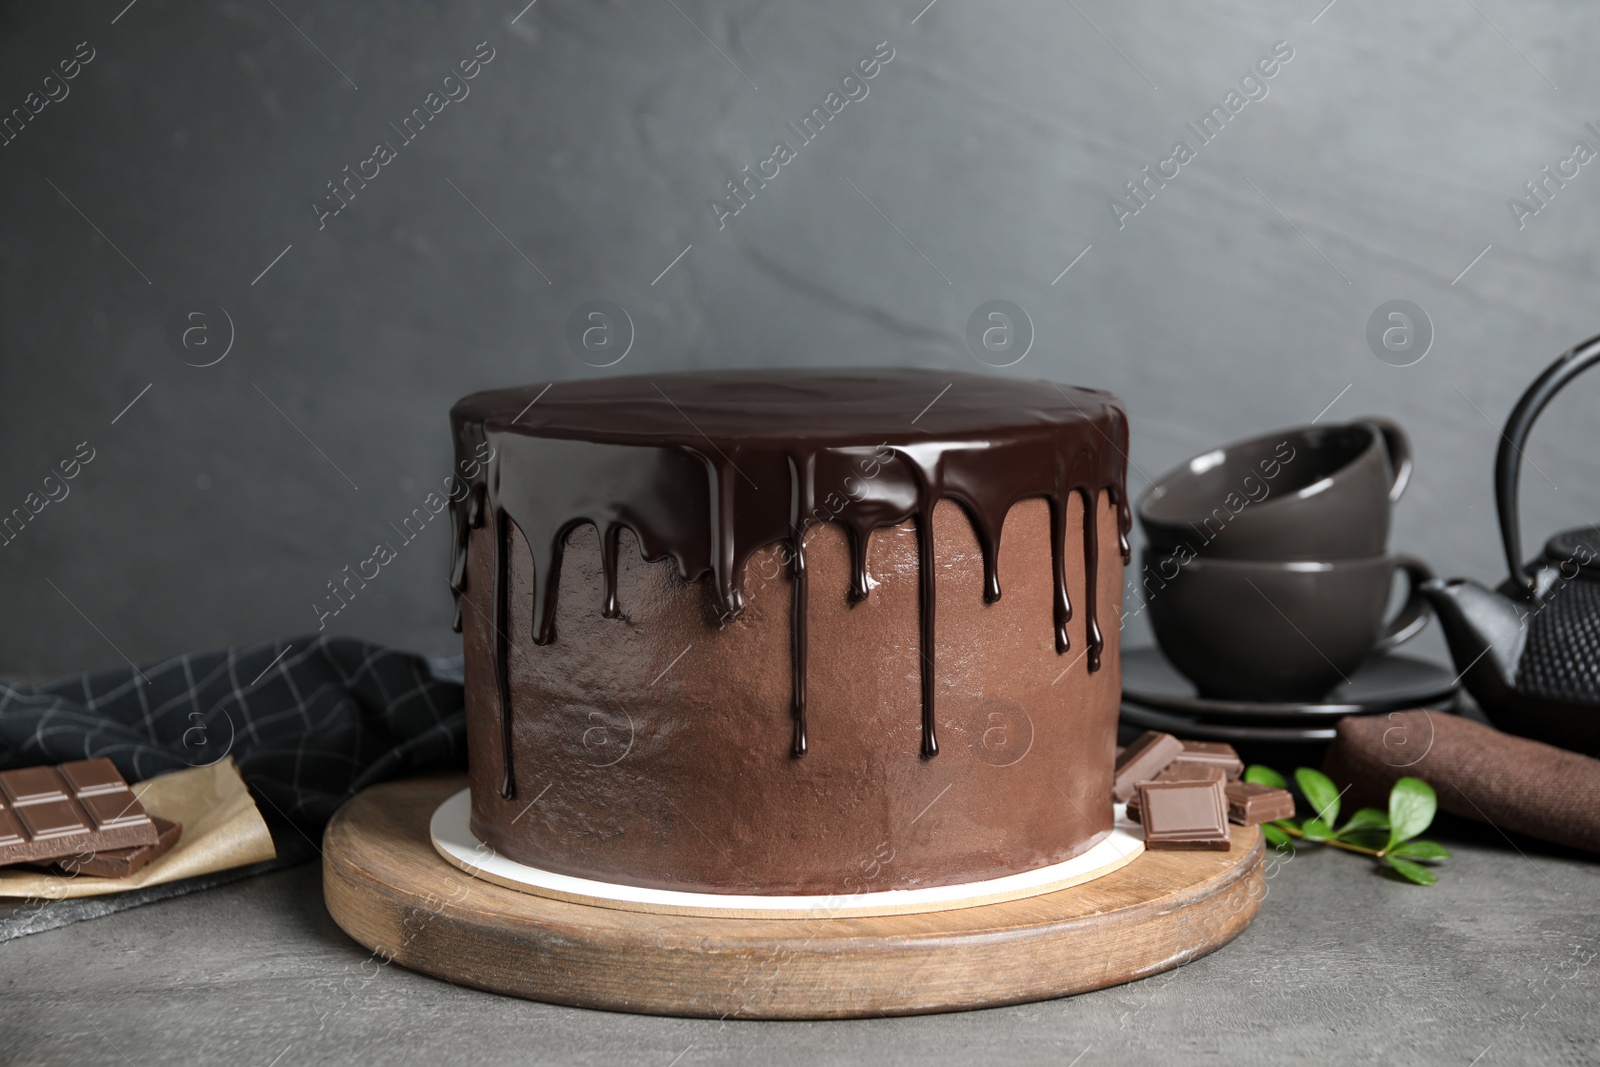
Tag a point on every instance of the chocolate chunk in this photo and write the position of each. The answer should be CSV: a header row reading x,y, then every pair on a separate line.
x,y
1250,804
78,808
1184,815
114,810
1180,771
10,829
32,784
1141,761
1219,753
92,777
49,819
121,862
1188,770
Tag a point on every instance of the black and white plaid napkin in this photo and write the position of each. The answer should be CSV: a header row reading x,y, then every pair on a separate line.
x,y
310,721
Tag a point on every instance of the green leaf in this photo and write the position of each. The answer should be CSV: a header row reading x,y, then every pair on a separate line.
x,y
1317,830
1321,792
1412,804
1276,837
1260,775
1365,819
1416,872
1421,850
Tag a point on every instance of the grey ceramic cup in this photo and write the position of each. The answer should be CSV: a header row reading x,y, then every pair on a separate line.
x,y
1311,492
1277,630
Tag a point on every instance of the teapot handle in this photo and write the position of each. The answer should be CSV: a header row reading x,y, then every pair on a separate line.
x,y
1508,459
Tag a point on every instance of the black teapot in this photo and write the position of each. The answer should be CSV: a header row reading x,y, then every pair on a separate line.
x,y
1529,653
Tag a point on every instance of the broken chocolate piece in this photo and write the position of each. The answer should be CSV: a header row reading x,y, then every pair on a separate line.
x,y
1141,761
122,862
1219,753
1184,815
81,807
1250,804
1179,771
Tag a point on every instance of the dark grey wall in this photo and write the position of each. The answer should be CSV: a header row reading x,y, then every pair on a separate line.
x,y
189,152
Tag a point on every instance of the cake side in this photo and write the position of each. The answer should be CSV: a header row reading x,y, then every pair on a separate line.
x,y
751,516
655,748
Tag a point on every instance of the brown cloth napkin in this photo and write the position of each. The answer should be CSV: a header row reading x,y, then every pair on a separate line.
x,y
1479,773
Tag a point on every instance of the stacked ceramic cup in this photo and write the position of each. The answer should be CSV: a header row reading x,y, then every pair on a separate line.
x,y
1268,579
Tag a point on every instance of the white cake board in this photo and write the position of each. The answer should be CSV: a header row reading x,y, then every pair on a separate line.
x,y
453,838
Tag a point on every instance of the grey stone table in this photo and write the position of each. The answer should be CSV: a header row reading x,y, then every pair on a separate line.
x,y
1342,966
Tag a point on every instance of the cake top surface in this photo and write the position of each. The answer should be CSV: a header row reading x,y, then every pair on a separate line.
x,y
820,407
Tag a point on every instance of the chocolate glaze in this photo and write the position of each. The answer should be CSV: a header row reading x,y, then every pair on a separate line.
x,y
707,468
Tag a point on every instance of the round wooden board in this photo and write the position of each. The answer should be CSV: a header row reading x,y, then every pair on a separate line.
x,y
388,888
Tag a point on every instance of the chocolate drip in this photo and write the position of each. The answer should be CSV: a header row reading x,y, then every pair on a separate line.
x,y
1091,560
463,520
990,546
544,600
927,610
610,546
803,480
859,578
1058,568
736,462
1119,500
501,644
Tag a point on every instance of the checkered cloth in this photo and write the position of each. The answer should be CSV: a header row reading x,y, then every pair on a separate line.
x,y
310,721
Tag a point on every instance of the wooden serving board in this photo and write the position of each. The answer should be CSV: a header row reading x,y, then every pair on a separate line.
x,y
388,888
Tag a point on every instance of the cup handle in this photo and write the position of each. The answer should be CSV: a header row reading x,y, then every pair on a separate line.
x,y
1398,445
1414,613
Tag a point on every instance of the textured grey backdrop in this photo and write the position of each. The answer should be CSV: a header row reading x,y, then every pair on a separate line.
x,y
188,154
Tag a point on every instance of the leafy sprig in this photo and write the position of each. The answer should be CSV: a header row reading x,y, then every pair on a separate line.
x,y
1389,838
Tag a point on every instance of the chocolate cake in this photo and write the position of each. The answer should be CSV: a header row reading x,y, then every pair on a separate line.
x,y
791,631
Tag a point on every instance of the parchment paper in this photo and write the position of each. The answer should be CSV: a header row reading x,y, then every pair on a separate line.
x,y
221,829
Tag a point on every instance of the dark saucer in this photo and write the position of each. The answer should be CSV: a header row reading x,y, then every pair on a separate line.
x,y
1384,683
1281,747
1201,730
1249,739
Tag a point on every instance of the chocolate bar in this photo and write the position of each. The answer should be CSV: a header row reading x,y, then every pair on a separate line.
x,y
122,862
1141,761
1184,815
1219,753
82,807
1180,771
1250,804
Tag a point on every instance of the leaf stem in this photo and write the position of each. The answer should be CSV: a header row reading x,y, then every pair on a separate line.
x,y
1335,842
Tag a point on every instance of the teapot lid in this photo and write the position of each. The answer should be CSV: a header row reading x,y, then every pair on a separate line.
x,y
1578,547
